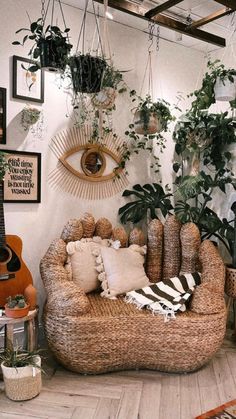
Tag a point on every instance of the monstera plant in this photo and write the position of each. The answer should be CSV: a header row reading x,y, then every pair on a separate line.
x,y
151,200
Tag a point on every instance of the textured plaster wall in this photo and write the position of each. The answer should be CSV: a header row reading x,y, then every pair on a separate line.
x,y
175,69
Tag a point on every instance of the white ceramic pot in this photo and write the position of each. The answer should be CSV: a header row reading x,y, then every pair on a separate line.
x,y
154,124
225,91
22,383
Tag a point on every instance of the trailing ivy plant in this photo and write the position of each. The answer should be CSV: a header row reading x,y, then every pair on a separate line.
x,y
151,200
137,142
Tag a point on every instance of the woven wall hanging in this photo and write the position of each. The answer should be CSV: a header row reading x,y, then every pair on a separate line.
x,y
94,173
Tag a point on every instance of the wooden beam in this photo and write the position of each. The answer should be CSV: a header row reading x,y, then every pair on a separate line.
x,y
164,6
228,3
167,22
213,16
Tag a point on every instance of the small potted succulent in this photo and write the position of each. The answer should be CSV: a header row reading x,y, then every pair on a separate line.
x,y
51,46
151,117
29,116
21,373
16,306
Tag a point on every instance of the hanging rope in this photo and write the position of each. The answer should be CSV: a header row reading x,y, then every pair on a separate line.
x,y
82,28
106,34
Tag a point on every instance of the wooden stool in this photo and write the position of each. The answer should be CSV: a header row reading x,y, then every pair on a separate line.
x,y
30,329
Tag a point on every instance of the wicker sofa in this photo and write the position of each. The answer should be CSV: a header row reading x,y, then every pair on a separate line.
x,y
91,334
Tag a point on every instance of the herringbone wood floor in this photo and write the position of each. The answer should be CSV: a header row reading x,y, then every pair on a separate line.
x,y
129,394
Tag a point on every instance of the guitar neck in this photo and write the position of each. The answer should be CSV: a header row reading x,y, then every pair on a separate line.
x,y
2,221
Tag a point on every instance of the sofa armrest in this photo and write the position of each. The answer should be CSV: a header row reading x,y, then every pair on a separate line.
x,y
63,295
208,298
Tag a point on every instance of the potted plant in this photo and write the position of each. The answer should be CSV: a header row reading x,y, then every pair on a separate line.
x,y
51,46
218,84
21,373
86,72
151,117
16,306
29,116
112,83
151,200
228,232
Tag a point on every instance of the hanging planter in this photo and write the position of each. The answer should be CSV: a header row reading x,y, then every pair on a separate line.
x,y
225,90
112,84
87,73
87,70
29,117
52,47
151,117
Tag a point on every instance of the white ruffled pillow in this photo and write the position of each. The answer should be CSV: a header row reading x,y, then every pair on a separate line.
x,y
121,270
82,264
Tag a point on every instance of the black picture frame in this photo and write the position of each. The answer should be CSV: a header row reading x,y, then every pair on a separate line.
x,y
23,179
3,115
27,85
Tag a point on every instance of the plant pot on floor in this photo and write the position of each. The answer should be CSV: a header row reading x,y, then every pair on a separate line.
x,y
146,124
22,383
87,73
225,90
230,281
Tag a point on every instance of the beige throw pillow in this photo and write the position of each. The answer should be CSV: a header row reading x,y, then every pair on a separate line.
x,y
82,255
123,270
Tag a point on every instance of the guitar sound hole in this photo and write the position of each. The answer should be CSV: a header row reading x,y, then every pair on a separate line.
x,y
5,255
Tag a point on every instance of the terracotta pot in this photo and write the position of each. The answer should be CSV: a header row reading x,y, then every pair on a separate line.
x,y
230,282
16,313
30,294
153,126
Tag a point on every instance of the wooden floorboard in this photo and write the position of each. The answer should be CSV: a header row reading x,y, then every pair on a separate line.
x,y
129,394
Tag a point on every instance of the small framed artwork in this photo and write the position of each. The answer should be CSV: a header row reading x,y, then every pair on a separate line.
x,y
22,181
27,85
3,113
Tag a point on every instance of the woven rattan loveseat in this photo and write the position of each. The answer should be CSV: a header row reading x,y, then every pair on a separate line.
x,y
91,334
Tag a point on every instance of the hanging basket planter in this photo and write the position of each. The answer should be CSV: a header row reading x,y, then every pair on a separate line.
x,y
87,73
146,123
105,99
225,90
52,57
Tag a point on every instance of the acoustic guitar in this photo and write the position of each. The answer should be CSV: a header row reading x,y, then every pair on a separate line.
x,y
14,274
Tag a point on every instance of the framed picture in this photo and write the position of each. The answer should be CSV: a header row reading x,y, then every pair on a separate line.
x,y
27,85
22,182
3,115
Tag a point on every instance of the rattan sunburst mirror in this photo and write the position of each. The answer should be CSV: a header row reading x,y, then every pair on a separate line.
x,y
85,168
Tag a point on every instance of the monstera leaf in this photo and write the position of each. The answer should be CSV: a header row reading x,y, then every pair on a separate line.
x,y
150,197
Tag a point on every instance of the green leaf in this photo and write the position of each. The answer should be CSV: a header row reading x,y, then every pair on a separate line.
x,y
16,43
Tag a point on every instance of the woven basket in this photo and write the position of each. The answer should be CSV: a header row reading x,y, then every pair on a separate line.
x,y
22,383
230,283
136,236
190,242
155,251
72,231
88,224
103,228
172,247
119,233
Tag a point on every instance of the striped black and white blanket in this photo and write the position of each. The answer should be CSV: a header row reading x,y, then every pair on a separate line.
x,y
166,297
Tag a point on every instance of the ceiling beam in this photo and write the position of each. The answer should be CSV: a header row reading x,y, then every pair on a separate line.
x,y
161,8
167,22
228,3
213,16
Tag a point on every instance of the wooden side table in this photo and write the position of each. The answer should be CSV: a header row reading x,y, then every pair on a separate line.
x,y
30,329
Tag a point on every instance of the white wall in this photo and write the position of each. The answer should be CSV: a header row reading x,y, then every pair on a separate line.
x,y
175,69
